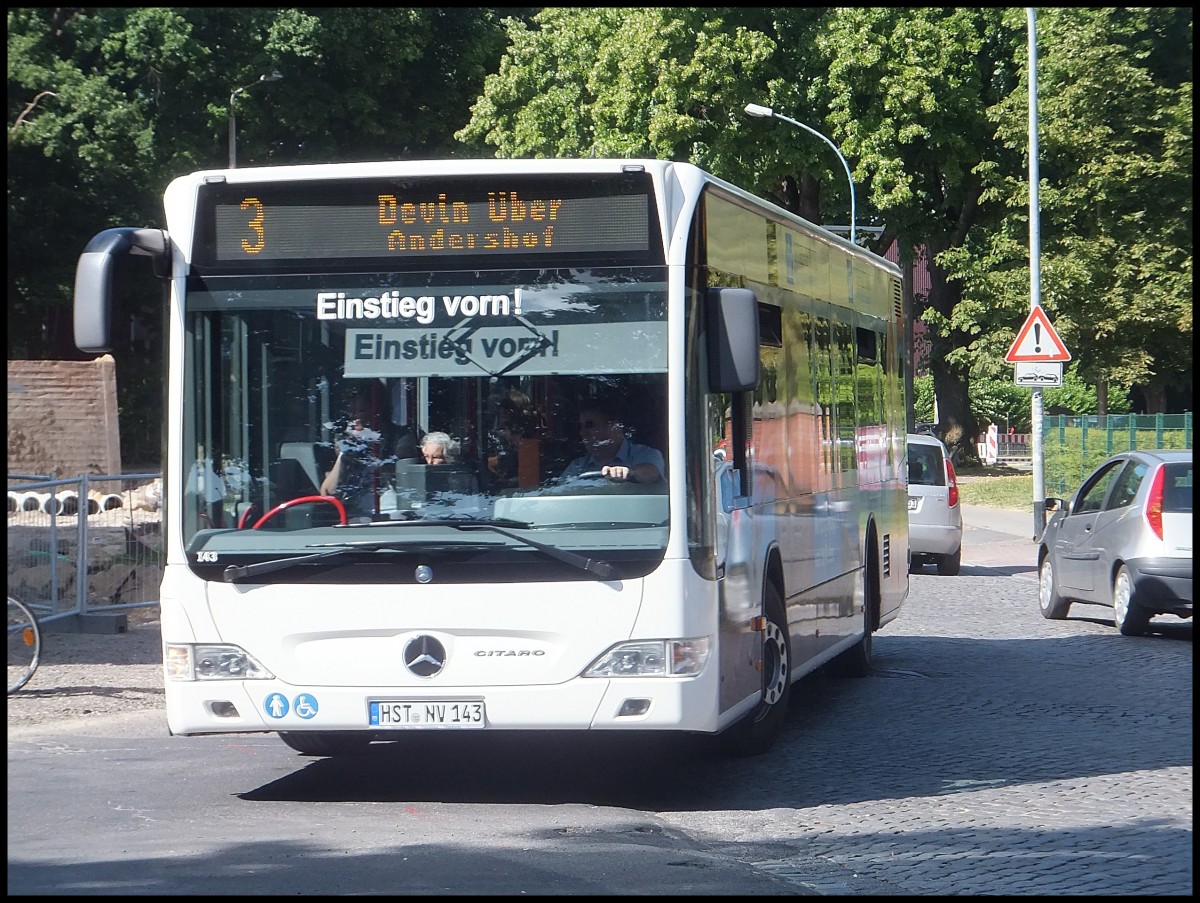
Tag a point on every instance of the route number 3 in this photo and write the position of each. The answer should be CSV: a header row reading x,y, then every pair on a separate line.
x,y
255,224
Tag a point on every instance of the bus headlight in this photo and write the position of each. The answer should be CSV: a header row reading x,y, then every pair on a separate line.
x,y
192,662
652,658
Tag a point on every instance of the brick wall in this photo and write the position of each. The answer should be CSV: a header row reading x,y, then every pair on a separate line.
x,y
62,417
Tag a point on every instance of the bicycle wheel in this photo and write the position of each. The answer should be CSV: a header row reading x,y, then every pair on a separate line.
x,y
24,644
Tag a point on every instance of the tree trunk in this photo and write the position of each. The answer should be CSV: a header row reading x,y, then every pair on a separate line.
x,y
802,197
957,426
809,202
1156,398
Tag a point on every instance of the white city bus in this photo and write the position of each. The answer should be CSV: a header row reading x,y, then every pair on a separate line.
x,y
498,301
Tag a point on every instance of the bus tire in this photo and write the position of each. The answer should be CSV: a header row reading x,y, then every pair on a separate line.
x,y
856,661
754,733
333,743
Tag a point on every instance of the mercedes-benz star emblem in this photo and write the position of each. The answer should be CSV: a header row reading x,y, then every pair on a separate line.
x,y
424,656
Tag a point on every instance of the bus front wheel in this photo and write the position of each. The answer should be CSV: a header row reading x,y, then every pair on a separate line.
x,y
754,733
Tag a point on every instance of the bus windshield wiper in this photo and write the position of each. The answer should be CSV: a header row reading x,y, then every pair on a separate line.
x,y
597,566
238,572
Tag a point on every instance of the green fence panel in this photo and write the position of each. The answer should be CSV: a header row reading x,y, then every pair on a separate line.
x,y
1073,445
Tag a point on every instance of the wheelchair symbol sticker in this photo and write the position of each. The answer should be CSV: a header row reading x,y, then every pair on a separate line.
x,y
305,705
276,705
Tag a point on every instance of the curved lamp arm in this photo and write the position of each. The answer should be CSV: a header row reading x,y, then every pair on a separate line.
x,y
761,112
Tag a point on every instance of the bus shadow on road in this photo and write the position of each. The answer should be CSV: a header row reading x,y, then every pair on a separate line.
x,y
943,712
535,767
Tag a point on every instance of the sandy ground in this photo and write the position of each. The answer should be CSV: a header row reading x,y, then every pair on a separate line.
x,y
91,676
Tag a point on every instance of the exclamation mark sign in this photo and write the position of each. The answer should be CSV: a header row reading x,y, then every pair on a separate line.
x,y
517,300
1037,334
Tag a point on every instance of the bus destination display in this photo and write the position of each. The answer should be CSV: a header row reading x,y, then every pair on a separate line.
x,y
273,222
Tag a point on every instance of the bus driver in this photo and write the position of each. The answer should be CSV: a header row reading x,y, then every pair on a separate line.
x,y
609,450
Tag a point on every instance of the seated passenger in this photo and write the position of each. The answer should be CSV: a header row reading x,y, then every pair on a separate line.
x,y
515,421
438,448
352,477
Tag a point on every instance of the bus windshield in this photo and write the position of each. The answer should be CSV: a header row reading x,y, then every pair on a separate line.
x,y
324,409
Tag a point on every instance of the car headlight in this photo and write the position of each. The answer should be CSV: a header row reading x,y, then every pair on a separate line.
x,y
652,658
212,662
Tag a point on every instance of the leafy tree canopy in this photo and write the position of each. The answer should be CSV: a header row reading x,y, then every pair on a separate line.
x,y
928,105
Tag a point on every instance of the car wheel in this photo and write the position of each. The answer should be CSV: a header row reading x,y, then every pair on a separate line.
x,y
949,565
333,743
1054,607
754,733
1127,617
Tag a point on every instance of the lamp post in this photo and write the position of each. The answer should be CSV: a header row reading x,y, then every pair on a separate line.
x,y
761,112
1036,409
274,76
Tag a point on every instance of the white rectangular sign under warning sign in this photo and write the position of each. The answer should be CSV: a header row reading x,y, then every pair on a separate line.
x,y
1038,374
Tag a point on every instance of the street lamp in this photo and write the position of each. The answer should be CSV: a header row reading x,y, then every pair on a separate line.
x,y
762,112
274,76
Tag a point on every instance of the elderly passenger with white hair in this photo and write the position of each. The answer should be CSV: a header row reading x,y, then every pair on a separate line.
x,y
438,448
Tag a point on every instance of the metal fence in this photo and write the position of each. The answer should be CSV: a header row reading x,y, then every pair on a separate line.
x,y
1073,445
85,545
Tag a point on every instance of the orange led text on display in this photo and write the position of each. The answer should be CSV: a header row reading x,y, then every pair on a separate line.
x,y
523,224
255,224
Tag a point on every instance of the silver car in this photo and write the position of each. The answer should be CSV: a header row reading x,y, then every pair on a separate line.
x,y
935,527
1124,540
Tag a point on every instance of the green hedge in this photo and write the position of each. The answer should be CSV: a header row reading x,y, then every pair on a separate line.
x,y
1072,446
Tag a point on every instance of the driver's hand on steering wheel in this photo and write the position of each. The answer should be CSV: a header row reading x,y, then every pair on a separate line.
x,y
615,471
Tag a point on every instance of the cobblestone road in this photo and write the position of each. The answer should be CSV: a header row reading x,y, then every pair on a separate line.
x,y
1008,754
992,752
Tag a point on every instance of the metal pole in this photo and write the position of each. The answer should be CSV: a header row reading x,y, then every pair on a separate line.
x,y
274,76
1035,281
762,112
232,132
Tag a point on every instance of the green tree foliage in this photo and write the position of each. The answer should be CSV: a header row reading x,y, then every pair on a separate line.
x,y
904,92
1079,396
997,399
1115,199
656,82
909,93
928,105
140,96
106,106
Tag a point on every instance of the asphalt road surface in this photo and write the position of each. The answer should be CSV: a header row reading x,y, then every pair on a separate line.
x,y
991,752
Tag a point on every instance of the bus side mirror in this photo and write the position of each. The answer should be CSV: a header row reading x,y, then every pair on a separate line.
x,y
94,280
732,321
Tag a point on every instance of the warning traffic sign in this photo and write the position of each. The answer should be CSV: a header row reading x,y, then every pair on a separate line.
x,y
1037,341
